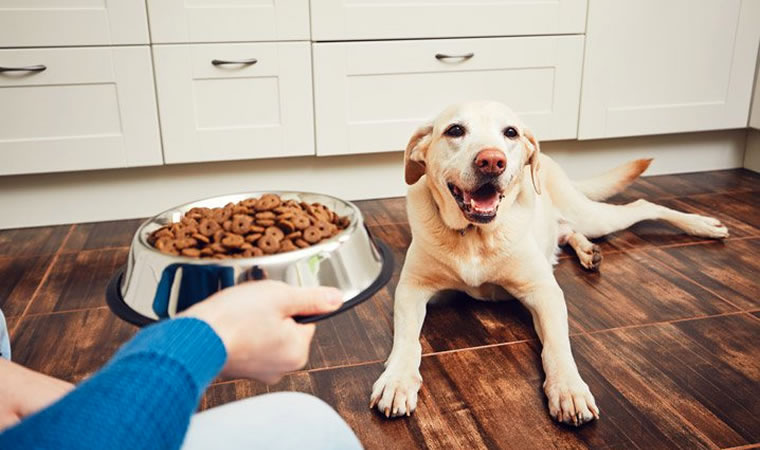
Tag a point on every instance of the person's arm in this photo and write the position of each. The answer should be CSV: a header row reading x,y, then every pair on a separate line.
x,y
24,392
143,398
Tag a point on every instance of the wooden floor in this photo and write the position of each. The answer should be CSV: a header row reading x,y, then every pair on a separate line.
x,y
667,335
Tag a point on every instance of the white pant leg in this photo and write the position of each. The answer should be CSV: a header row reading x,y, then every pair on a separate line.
x,y
282,420
5,338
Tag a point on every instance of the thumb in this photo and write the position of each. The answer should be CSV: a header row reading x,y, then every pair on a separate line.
x,y
311,301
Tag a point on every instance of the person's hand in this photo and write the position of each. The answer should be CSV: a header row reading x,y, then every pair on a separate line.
x,y
254,321
24,392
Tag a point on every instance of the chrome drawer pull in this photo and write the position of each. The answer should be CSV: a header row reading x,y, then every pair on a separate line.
x,y
37,68
245,62
465,57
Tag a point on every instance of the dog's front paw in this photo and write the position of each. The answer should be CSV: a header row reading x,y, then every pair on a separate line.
x,y
395,392
570,401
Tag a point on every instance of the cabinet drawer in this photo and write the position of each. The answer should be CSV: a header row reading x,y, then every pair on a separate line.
x,y
394,19
239,20
234,111
37,23
370,96
91,108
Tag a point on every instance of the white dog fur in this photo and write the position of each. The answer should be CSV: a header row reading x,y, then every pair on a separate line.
x,y
509,250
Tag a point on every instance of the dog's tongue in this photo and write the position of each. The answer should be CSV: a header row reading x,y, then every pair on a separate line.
x,y
483,200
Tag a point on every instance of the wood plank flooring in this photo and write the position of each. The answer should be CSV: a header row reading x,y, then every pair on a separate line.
x,y
667,334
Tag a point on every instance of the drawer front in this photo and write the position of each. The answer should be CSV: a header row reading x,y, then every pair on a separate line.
x,y
36,23
91,108
369,97
398,19
234,21
236,111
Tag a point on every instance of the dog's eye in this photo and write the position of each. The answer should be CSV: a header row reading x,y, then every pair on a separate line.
x,y
455,131
510,132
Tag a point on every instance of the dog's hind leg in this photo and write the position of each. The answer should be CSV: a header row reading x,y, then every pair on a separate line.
x,y
595,219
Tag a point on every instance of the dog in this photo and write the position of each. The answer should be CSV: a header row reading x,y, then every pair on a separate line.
x,y
488,211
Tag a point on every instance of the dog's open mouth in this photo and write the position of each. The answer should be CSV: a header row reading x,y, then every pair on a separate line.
x,y
478,205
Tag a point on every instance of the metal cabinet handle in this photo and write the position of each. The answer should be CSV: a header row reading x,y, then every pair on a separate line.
x,y
37,68
464,57
245,62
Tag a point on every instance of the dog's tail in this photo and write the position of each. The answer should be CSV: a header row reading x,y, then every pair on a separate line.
x,y
609,183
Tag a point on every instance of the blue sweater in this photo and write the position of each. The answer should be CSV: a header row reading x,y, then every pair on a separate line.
x,y
143,398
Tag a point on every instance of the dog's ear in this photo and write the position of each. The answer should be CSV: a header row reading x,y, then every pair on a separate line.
x,y
414,156
533,160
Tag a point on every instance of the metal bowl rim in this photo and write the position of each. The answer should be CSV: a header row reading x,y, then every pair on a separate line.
x,y
325,246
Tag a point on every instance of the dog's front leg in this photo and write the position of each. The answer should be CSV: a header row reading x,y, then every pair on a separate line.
x,y
395,392
570,400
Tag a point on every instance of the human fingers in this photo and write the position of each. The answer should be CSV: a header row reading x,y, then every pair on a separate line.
x,y
310,301
8,419
295,353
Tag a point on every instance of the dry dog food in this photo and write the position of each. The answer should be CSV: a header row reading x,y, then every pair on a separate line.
x,y
251,227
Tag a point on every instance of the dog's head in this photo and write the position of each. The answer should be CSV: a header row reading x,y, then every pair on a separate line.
x,y
473,154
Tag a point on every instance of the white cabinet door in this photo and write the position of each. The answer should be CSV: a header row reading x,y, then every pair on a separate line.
x,y
394,19
754,119
231,111
229,21
90,108
37,23
655,66
370,96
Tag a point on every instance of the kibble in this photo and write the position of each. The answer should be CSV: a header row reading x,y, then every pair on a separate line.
x,y
250,228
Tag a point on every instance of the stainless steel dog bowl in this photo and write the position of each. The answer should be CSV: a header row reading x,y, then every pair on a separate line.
x,y
154,286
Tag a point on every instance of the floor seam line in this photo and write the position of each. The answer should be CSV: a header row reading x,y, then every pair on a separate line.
x,y
52,313
82,250
307,371
662,322
735,191
380,361
690,279
743,447
44,278
681,244
477,347
342,366
654,392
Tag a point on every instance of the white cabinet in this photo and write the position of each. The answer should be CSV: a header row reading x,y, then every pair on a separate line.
x,y
234,101
370,96
394,19
754,119
229,21
655,66
35,23
90,108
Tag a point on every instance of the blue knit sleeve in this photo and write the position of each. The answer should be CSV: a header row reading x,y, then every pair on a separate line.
x,y
143,398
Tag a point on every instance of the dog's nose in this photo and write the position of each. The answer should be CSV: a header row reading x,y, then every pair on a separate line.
x,y
490,162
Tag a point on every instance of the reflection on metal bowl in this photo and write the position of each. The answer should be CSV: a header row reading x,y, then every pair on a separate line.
x,y
155,285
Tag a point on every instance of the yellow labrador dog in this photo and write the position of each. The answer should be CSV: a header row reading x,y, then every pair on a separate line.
x,y
487,212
